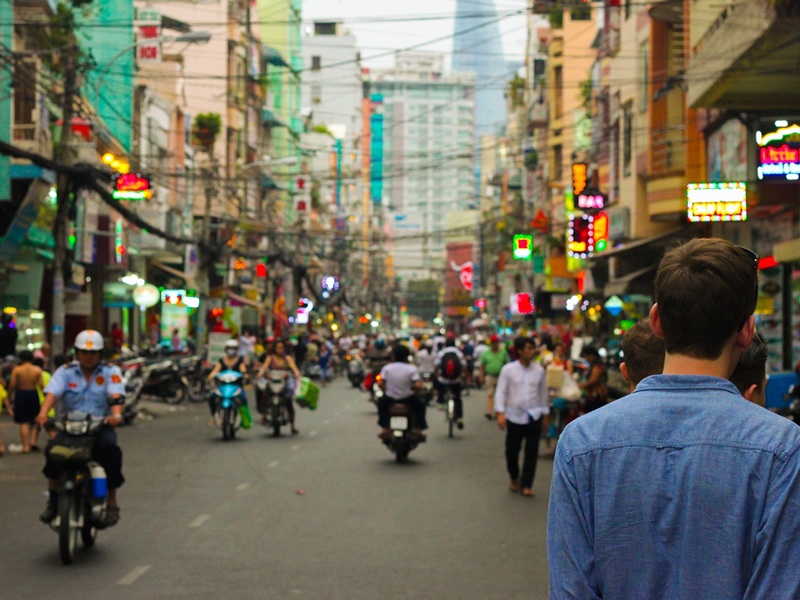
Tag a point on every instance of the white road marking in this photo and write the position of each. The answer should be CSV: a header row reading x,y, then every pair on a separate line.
x,y
313,433
134,575
273,464
242,487
295,447
200,521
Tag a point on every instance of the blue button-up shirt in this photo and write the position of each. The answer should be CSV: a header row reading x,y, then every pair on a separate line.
x,y
521,392
682,489
69,385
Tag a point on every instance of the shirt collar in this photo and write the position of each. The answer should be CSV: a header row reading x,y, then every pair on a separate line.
x,y
689,382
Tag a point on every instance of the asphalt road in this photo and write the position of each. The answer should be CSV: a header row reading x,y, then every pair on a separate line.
x,y
325,514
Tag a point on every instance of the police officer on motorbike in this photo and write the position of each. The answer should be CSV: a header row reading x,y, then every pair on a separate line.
x,y
97,389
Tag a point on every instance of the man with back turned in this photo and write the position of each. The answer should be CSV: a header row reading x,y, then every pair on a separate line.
x,y
682,489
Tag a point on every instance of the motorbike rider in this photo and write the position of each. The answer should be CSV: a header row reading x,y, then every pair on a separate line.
x,y
468,350
377,358
97,389
400,382
426,357
279,360
451,381
232,361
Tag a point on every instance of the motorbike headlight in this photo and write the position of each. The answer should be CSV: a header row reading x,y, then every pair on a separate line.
x,y
76,427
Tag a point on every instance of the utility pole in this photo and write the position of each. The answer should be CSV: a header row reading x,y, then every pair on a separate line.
x,y
64,156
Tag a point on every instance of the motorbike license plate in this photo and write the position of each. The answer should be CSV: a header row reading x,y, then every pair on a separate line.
x,y
398,423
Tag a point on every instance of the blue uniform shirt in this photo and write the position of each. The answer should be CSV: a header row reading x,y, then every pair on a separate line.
x,y
683,489
73,392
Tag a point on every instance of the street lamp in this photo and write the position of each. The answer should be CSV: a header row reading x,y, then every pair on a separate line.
x,y
191,37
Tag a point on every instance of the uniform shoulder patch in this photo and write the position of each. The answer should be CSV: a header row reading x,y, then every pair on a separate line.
x,y
116,379
100,380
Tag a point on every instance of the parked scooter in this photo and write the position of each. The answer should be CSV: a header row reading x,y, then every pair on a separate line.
x,y
271,400
401,424
163,379
196,370
82,486
229,398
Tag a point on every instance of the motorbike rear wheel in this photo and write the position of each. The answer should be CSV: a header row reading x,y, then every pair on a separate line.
x,y
179,392
68,526
401,453
197,389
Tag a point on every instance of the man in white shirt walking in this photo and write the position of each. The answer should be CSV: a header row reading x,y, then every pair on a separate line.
x,y
520,402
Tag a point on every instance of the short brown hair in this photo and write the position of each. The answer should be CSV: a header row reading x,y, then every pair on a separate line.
x,y
642,351
752,366
705,290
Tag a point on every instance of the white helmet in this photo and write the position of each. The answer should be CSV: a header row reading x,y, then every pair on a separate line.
x,y
465,338
232,344
89,340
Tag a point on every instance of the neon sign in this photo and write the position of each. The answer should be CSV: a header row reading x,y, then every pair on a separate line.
x,y
587,234
779,152
132,186
716,201
591,200
464,273
578,178
523,247
521,304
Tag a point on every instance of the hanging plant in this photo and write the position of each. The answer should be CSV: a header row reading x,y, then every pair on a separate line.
x,y
206,128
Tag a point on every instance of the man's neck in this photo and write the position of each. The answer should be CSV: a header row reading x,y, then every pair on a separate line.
x,y
679,364
525,363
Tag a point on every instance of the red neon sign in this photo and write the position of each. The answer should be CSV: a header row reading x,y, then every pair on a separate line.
x,y
131,186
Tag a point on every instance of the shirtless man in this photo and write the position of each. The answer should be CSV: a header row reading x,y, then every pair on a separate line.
x,y
25,378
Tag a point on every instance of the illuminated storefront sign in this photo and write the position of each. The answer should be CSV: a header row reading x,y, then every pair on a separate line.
x,y
132,186
591,200
578,178
523,247
716,201
779,152
179,297
587,234
521,304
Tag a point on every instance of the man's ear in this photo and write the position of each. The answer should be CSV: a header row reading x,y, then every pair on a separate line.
x,y
655,322
748,393
745,335
623,369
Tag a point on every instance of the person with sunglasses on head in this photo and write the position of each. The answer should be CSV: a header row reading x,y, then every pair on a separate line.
x,y
682,489
95,388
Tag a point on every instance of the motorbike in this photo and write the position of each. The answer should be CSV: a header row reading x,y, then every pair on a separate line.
x,y
312,370
134,383
427,392
82,485
355,370
163,379
229,397
449,411
196,370
401,424
375,390
271,400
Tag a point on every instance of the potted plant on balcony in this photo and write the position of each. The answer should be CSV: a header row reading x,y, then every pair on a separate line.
x,y
206,129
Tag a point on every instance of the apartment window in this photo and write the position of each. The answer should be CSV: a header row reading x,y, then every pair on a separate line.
x,y
558,87
644,74
316,94
627,9
627,140
316,63
558,160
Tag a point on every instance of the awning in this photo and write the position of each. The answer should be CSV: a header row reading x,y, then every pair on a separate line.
x,y
268,118
625,284
638,243
172,271
274,57
268,183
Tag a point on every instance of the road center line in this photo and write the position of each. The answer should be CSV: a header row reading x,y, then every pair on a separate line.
x,y
272,464
200,521
134,575
242,487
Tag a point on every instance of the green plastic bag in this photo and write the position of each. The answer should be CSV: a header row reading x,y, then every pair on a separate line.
x,y
307,394
247,418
